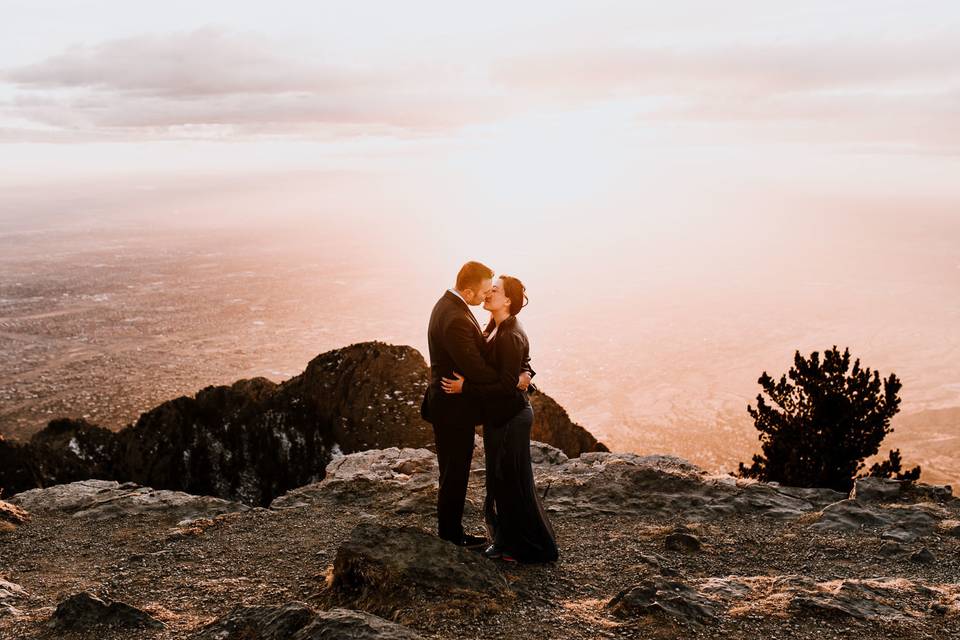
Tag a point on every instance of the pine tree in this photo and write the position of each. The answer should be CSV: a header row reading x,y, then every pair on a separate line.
x,y
823,423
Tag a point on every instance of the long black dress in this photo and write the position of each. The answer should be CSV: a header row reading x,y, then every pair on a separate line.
x,y
514,514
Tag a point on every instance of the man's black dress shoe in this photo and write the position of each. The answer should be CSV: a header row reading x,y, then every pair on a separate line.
x,y
470,542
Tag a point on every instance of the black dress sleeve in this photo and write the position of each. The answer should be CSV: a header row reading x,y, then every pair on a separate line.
x,y
525,366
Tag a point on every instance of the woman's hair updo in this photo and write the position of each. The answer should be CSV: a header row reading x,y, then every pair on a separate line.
x,y
516,292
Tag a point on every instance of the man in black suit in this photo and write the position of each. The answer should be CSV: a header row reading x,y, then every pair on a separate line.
x,y
455,340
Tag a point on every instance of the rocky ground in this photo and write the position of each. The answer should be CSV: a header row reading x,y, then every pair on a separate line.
x,y
651,547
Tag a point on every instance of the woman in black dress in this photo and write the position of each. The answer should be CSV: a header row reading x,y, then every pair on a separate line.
x,y
514,514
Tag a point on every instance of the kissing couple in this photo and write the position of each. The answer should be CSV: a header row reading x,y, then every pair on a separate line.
x,y
482,376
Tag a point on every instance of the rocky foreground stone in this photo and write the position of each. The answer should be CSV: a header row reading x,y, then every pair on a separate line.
x,y
298,621
10,595
85,611
256,439
702,601
11,515
387,570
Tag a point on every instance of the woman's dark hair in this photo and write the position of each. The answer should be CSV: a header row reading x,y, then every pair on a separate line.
x,y
516,292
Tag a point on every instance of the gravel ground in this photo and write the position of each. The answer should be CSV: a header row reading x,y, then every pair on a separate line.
x,y
189,576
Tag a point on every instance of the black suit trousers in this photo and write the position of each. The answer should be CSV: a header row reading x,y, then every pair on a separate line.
x,y
454,454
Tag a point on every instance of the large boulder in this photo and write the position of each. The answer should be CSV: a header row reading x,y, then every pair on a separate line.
x,y
84,611
396,571
298,621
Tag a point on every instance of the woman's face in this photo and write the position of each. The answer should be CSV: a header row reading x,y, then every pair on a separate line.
x,y
497,299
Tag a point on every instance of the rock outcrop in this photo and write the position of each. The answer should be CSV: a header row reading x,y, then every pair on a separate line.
x,y
246,442
397,480
404,481
108,499
622,483
900,511
25,465
255,439
95,446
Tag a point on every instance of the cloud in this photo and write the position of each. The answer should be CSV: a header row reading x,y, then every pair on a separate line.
x,y
211,80
745,70
266,112
215,84
207,61
892,93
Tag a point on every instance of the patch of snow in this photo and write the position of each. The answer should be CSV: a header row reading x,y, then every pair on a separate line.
x,y
74,446
284,444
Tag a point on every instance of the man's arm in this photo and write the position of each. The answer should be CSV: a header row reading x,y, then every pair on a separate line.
x,y
462,347
509,353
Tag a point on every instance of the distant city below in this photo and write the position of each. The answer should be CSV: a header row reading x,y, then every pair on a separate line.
x,y
105,326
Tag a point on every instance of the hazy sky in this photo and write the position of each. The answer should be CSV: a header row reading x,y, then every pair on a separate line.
x,y
592,92
590,125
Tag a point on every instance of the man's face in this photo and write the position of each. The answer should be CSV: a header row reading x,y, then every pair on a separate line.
x,y
479,295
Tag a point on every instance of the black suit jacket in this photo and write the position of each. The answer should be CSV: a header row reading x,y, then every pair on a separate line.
x,y
456,344
509,353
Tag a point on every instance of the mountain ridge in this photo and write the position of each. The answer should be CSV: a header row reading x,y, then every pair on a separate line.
x,y
254,439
